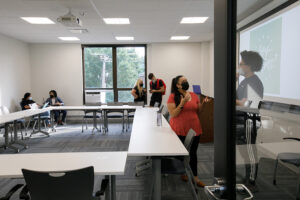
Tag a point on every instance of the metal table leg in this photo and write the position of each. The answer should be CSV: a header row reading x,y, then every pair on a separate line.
x,y
16,140
95,121
107,190
39,128
156,163
7,144
52,121
113,187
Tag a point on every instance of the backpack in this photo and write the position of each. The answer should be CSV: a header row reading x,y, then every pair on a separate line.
x,y
157,84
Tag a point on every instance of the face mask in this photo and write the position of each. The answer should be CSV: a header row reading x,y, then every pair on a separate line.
x,y
241,72
185,85
30,98
141,84
51,96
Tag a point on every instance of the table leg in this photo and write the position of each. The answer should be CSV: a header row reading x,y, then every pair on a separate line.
x,y
39,128
156,165
113,187
52,121
6,144
107,190
16,140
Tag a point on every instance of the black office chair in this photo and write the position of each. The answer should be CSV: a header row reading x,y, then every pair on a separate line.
x,y
180,165
68,185
115,114
289,158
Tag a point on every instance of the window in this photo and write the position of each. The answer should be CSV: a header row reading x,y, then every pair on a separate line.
x,y
113,70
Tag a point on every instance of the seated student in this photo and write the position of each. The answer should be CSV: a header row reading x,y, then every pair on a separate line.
x,y
157,89
138,92
54,100
184,108
26,104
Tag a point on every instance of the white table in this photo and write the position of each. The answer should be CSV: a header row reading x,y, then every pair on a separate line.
x,y
149,140
109,164
13,118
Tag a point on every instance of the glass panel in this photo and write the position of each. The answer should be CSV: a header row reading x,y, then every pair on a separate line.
x,y
130,66
268,104
125,96
98,67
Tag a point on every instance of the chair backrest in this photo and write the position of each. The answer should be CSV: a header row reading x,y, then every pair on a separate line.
x,y
115,103
4,110
68,185
189,139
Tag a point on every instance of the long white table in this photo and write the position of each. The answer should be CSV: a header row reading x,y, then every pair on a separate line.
x,y
147,139
109,164
13,118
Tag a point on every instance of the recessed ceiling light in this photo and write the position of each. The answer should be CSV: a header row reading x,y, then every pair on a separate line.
x,y
116,20
180,37
69,38
193,20
124,38
78,31
38,20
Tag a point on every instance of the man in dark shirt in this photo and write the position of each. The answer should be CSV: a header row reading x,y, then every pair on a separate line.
x,y
250,90
157,89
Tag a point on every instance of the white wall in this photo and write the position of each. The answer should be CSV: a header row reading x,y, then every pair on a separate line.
x,y
193,60
58,67
14,72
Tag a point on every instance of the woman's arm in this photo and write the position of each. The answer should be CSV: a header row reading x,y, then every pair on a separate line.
x,y
175,111
133,93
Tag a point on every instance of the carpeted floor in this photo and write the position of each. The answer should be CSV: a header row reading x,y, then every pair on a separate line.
x,y
70,139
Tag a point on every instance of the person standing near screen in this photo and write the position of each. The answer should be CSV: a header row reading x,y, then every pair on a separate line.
x,y
138,92
157,89
184,108
249,93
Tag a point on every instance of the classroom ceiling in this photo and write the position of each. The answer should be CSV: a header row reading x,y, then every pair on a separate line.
x,y
151,21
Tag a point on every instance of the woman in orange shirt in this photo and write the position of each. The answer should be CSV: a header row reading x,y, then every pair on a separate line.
x,y
184,108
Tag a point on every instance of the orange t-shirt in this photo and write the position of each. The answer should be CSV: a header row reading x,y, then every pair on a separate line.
x,y
187,118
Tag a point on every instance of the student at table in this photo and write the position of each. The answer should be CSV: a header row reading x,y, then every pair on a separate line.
x,y
138,92
184,108
54,100
26,103
157,89
250,91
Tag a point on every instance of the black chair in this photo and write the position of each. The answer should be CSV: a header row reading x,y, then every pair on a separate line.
x,y
68,185
87,115
288,158
180,165
115,114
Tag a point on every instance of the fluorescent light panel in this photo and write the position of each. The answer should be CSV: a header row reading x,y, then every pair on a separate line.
x,y
124,38
69,38
180,37
193,20
116,20
38,20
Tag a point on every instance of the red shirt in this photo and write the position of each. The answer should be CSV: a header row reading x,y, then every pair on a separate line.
x,y
187,118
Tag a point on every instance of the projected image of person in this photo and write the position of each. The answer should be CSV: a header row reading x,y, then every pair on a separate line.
x,y
249,93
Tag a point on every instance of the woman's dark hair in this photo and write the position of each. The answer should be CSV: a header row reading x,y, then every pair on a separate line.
x,y
150,76
174,90
26,95
54,93
252,59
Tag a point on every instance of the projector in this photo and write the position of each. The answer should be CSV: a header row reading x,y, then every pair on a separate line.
x,y
70,20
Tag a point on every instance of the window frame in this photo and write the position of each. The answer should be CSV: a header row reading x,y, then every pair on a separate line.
x,y
114,47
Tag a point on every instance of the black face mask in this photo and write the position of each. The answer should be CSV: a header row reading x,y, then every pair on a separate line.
x,y
141,84
51,96
185,85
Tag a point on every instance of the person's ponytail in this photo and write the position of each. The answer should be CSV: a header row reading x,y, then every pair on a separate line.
x,y
174,90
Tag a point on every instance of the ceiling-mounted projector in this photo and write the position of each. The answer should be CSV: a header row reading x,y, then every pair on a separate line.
x,y
70,20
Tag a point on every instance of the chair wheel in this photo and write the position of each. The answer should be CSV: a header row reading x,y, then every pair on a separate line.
x,y
274,182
